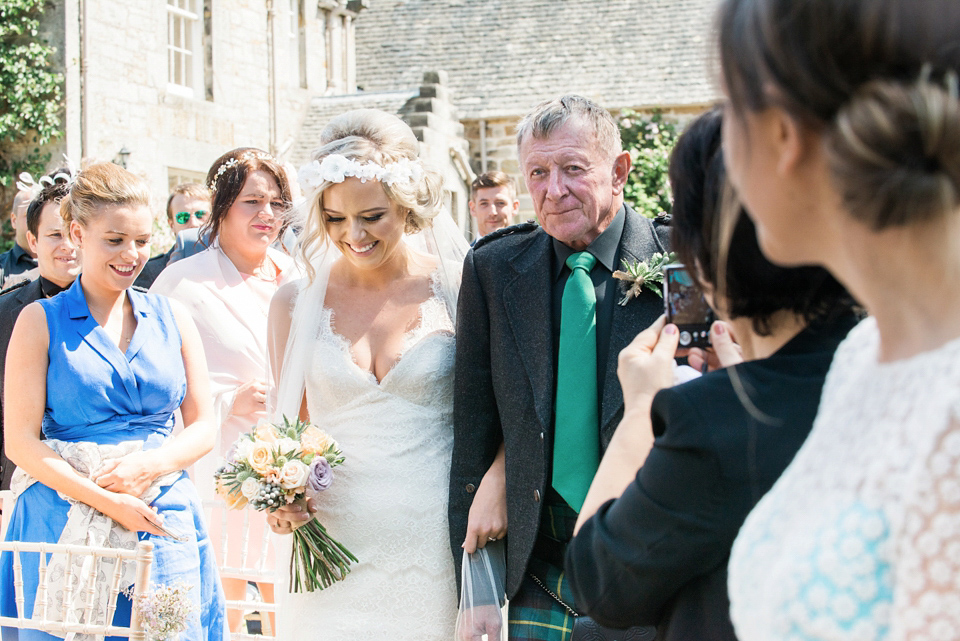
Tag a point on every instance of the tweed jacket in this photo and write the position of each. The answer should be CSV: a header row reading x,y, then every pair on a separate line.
x,y
505,375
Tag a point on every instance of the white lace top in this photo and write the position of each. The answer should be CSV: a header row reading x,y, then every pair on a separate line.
x,y
860,538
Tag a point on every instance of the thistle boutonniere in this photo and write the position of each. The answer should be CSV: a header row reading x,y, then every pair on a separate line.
x,y
648,273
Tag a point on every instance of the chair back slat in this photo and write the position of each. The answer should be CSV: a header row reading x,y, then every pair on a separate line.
x,y
264,555
144,557
18,584
67,588
224,539
245,549
114,589
90,591
42,584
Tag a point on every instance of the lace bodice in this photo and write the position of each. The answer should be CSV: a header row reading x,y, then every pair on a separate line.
x,y
388,502
860,538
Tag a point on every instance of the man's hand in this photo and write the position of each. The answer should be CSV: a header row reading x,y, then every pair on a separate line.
x,y
288,518
723,352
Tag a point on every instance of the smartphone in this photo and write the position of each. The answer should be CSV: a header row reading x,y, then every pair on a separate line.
x,y
173,534
686,307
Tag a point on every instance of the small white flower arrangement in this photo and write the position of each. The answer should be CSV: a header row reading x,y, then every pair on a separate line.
x,y
164,610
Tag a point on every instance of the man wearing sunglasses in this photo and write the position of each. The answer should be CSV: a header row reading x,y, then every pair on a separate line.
x,y
187,208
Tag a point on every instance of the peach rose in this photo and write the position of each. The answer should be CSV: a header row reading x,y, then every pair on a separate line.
x,y
293,475
266,432
314,440
261,456
234,501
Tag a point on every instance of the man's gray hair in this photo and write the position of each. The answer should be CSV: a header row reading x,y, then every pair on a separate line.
x,y
552,114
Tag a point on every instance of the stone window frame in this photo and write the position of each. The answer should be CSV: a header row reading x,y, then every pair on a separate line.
x,y
297,36
185,49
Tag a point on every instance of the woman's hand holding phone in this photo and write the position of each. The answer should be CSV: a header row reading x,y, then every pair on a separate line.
x,y
724,350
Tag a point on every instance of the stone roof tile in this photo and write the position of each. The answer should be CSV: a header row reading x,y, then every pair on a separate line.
x,y
323,108
504,56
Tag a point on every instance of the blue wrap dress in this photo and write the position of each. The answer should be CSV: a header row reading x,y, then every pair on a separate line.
x,y
95,392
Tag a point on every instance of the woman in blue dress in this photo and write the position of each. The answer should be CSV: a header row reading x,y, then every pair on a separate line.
x,y
117,363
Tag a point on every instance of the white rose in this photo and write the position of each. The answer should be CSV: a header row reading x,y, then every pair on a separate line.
x,y
250,488
293,475
287,445
244,447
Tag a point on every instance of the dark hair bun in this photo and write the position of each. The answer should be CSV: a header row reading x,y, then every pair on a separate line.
x,y
894,152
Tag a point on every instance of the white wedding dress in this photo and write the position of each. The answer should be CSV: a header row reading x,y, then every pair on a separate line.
x,y
859,540
388,501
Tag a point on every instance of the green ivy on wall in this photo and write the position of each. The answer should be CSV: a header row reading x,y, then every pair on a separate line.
x,y
649,139
31,101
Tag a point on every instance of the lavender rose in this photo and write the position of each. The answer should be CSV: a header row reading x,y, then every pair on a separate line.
x,y
321,475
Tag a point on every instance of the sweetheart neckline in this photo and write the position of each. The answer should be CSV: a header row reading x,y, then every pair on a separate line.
x,y
345,346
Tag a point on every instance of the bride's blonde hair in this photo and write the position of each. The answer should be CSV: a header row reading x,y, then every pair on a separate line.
x,y
370,135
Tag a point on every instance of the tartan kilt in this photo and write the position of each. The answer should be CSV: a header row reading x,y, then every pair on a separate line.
x,y
534,615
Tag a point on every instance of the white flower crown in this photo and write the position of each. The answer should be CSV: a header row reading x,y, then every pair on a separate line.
x,y
233,162
335,168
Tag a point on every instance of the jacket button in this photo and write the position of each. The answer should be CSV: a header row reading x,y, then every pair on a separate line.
x,y
536,495
541,437
471,488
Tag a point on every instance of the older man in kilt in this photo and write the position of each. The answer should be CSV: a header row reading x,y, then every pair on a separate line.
x,y
539,329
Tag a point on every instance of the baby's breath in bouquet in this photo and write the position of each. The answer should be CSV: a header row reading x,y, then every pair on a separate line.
x,y
164,610
278,464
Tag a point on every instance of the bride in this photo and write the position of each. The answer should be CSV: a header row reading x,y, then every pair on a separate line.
x,y
368,357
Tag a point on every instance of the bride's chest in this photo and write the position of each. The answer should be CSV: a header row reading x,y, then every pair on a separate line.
x,y
420,370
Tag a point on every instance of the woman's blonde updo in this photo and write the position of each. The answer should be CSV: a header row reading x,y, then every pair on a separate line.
x,y
878,78
370,135
100,185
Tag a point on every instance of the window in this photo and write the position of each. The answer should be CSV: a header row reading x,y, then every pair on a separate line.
x,y
297,37
185,51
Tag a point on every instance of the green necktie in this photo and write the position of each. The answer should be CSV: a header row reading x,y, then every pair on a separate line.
x,y
576,440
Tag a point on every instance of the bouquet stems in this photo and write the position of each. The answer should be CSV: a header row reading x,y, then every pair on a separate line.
x,y
318,560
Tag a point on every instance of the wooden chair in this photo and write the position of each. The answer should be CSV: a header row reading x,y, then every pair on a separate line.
x,y
252,565
142,556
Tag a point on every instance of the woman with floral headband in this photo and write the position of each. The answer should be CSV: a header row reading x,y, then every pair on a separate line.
x,y
227,289
365,348
102,368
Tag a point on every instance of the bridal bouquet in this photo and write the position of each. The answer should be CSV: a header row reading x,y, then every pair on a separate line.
x,y
278,464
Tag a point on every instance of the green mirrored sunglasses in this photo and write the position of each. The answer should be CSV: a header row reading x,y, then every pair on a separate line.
x,y
183,217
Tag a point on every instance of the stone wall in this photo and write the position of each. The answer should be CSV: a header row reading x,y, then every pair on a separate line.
x,y
126,100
